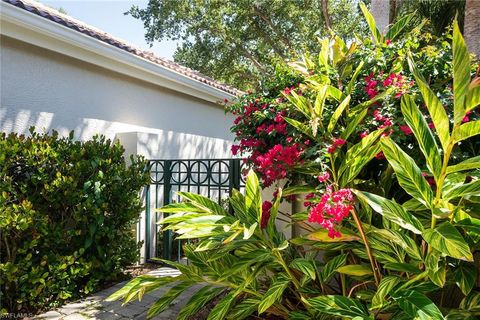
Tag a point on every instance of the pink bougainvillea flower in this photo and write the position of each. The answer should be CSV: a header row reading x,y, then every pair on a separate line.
x,y
266,207
323,177
431,125
308,197
388,42
363,134
235,149
406,130
331,149
380,156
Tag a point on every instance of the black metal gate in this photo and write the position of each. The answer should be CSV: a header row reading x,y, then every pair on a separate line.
x,y
214,178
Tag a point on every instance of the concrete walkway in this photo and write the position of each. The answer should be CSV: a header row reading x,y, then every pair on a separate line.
x,y
95,306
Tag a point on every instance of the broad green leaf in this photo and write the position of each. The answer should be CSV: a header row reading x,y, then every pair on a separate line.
x,y
465,276
466,130
320,100
461,73
180,207
300,127
353,80
273,294
414,205
306,266
469,164
237,201
376,34
253,200
300,102
298,190
401,239
165,301
321,235
434,106
417,305
203,203
472,301
425,139
473,95
468,189
446,239
358,270
392,211
435,266
197,301
221,309
324,52
384,288
398,27
469,224
358,156
353,124
402,267
408,174
243,309
339,306
337,113
331,267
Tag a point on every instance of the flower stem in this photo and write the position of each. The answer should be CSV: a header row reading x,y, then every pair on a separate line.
x,y
376,274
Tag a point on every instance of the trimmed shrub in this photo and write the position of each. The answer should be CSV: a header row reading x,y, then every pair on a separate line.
x,y
67,214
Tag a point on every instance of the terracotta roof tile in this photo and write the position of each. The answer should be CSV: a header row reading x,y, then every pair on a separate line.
x,y
57,17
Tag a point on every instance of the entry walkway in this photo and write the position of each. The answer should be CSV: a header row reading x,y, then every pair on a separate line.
x,y
95,306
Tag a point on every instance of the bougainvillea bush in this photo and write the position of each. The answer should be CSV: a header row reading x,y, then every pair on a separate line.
x,y
378,142
67,211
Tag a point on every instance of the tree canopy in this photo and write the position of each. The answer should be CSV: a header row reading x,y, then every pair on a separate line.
x,y
238,42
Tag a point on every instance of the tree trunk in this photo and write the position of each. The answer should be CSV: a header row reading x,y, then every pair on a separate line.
x,y
380,10
471,28
326,15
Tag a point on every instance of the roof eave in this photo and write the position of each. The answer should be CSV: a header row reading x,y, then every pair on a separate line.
x,y
28,27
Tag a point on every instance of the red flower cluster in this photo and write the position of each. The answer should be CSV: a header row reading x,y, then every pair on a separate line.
x,y
333,207
276,162
395,80
266,207
337,142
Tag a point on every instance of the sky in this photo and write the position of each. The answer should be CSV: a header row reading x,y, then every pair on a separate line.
x,y
108,16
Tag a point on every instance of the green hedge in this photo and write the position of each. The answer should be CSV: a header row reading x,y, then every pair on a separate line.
x,y
67,215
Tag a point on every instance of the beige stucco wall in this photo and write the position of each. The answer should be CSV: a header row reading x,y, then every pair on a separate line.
x,y
52,91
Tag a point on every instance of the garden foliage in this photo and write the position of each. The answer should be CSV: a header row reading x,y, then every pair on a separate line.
x,y
378,141
67,216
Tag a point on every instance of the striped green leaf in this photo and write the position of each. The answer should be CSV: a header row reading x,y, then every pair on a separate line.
x,y
446,239
425,139
466,130
461,73
339,306
243,309
434,106
331,267
408,174
392,211
220,310
306,266
376,34
417,305
300,127
398,27
273,294
353,80
384,288
203,203
197,301
353,124
473,94
468,189
357,270
165,301
469,164
253,199
465,276
337,113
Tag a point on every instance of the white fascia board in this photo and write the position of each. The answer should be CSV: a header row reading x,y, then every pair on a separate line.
x,y
28,27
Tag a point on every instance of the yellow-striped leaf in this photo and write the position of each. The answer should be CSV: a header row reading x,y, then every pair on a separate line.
x,y
446,239
461,73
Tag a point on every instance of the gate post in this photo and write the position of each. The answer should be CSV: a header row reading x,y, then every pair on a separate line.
x,y
167,190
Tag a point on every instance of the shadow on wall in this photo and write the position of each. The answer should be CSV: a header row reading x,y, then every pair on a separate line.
x,y
151,142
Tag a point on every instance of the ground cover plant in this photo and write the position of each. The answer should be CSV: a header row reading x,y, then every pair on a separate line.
x,y
67,209
377,141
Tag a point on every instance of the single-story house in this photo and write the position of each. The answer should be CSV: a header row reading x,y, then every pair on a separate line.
x,y
59,73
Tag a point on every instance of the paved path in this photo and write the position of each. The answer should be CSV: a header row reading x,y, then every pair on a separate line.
x,y
95,306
